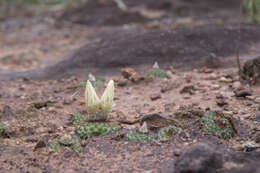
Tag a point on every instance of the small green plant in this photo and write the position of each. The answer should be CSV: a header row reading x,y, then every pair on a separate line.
x,y
1,128
136,136
78,117
155,72
217,126
76,147
94,128
99,82
253,10
55,146
167,132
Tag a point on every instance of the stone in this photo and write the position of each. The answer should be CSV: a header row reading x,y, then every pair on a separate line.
x,y
256,117
257,100
243,91
200,158
225,80
236,84
127,72
143,128
155,96
212,76
122,82
188,89
40,144
156,121
7,113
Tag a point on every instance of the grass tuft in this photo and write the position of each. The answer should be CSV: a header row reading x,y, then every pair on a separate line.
x,y
155,72
1,128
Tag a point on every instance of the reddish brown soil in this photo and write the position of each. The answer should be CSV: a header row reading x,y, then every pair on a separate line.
x,y
36,112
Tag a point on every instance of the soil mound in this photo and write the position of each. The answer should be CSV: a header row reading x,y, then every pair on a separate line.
x,y
184,48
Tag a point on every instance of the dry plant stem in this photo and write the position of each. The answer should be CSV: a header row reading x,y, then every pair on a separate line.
x,y
238,42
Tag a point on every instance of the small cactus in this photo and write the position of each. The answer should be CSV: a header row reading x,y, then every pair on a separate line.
x,y
98,109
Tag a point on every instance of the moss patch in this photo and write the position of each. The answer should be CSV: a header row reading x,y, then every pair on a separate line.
x,y
218,126
88,129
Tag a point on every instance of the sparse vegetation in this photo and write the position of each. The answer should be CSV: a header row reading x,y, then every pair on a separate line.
x,y
78,117
217,126
86,130
155,72
253,10
136,136
1,128
55,146
99,82
167,132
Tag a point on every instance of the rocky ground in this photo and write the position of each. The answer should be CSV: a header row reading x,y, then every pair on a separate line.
x,y
202,119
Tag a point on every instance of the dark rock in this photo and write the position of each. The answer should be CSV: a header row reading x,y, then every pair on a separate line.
x,y
156,121
68,154
40,105
243,91
201,158
189,111
155,96
7,113
256,117
221,100
188,89
40,144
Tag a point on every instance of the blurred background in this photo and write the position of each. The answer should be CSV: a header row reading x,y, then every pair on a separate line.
x,y
35,33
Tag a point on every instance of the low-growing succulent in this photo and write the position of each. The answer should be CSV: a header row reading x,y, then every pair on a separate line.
x,y
155,72
78,117
55,146
218,126
98,109
167,132
94,128
136,136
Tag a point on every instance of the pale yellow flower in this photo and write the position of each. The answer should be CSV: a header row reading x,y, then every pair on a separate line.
x,y
98,110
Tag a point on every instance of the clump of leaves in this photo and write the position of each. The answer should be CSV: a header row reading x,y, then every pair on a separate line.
x,y
1,128
253,10
218,126
155,72
136,136
95,128
55,146
78,117
167,132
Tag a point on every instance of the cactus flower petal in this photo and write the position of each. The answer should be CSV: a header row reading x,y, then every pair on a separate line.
x,y
108,97
91,98
99,109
